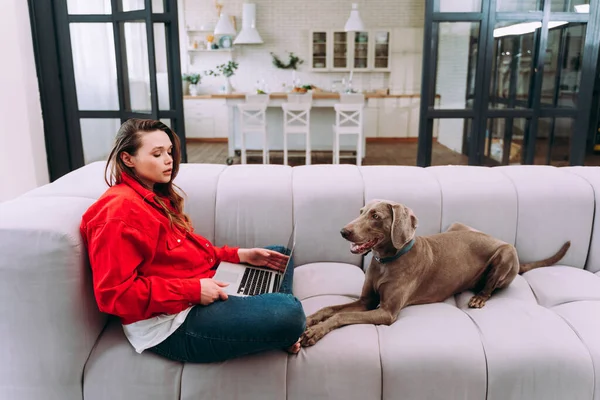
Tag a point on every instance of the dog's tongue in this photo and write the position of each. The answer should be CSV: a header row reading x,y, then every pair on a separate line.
x,y
358,249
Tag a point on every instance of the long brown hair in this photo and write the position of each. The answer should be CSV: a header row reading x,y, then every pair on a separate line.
x,y
129,139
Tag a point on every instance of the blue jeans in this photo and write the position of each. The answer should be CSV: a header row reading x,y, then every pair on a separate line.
x,y
238,326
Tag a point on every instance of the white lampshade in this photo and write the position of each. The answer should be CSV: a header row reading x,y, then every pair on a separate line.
x,y
224,26
249,34
354,23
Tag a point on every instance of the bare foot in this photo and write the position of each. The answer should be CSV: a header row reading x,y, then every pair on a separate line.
x,y
295,348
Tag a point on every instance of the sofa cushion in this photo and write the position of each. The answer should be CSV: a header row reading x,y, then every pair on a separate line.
x,y
328,278
480,197
518,290
244,216
258,376
432,351
592,176
531,352
345,364
554,206
580,317
199,183
416,187
115,371
556,285
326,197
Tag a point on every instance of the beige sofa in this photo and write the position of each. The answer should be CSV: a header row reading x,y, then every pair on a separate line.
x,y
537,339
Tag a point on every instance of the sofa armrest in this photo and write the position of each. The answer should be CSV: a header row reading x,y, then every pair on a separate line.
x,y
50,320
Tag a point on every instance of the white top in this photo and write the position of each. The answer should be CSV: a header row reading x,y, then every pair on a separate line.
x,y
149,332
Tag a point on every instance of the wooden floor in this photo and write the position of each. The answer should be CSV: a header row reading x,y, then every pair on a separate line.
x,y
378,153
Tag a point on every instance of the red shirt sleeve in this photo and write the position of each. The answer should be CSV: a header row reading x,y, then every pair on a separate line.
x,y
116,250
228,254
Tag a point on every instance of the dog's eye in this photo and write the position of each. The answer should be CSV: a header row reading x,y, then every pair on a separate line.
x,y
375,216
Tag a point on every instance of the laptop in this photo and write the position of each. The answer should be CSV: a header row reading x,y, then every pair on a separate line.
x,y
248,280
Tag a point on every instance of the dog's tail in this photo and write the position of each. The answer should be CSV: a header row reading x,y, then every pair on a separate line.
x,y
548,261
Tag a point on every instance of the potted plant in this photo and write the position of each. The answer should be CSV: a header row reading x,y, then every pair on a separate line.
x,y
194,80
227,70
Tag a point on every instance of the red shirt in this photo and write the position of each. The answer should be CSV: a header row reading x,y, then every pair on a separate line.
x,y
141,266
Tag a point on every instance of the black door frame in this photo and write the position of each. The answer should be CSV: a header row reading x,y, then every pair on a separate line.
x,y
481,113
54,63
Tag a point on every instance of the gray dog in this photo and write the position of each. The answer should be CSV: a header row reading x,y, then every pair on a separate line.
x,y
408,269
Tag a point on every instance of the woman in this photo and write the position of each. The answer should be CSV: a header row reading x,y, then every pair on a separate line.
x,y
150,269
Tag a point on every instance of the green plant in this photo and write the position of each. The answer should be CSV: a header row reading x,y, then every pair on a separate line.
x,y
293,63
192,78
227,70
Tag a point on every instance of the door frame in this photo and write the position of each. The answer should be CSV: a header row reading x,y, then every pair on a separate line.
x,y
58,95
481,113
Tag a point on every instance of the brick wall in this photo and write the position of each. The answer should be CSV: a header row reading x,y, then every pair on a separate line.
x,y
284,26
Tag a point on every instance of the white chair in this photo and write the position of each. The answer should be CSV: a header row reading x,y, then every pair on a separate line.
x,y
253,119
349,117
296,120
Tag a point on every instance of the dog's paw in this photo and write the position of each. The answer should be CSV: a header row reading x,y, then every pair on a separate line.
x,y
312,320
478,301
312,335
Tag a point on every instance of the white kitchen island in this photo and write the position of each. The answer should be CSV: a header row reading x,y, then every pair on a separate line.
x,y
216,116
322,119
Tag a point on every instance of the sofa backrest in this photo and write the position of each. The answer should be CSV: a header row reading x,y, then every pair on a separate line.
x,y
536,208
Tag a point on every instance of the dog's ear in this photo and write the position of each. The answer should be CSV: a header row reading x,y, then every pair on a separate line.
x,y
404,224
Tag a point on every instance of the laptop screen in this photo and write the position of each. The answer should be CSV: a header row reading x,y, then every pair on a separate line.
x,y
291,242
290,251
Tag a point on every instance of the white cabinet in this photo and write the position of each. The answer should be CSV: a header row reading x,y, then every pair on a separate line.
x,y
335,50
205,118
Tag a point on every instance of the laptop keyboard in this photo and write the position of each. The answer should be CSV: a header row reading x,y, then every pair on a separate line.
x,y
256,281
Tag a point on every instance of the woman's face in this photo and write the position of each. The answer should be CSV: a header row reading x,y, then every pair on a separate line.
x,y
153,162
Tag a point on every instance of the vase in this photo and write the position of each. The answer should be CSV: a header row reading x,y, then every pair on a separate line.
x,y
228,87
193,89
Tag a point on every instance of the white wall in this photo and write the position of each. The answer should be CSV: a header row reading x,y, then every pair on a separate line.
x,y
284,26
23,164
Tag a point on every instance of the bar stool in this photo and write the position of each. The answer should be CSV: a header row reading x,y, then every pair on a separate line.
x,y
253,119
349,117
296,120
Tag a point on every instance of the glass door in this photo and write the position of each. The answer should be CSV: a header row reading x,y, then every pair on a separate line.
x,y
118,59
513,79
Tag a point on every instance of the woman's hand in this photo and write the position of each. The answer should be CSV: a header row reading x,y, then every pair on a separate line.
x,y
210,291
263,258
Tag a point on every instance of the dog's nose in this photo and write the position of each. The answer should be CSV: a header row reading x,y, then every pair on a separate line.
x,y
345,233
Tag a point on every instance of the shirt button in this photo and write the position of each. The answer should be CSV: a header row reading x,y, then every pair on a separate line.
x,y
178,240
206,244
210,260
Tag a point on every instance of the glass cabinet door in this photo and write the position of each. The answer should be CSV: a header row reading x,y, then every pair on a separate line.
x,y
381,47
319,50
340,50
360,56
